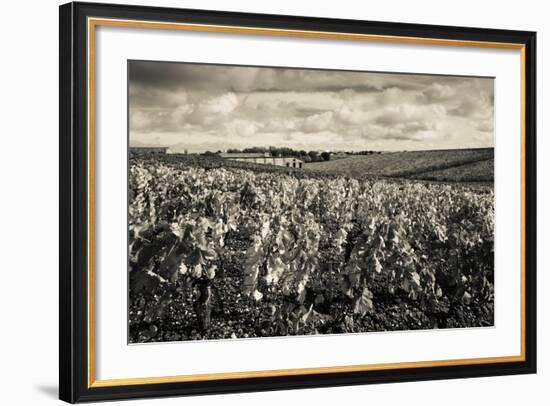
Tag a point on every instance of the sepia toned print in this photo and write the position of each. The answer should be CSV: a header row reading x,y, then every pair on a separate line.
x,y
274,202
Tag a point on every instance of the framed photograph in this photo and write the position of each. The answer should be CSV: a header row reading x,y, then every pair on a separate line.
x,y
257,202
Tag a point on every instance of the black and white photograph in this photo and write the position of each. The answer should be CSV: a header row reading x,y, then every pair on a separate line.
x,y
273,201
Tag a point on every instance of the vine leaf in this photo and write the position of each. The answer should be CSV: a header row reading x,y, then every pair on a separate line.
x,y
275,269
363,303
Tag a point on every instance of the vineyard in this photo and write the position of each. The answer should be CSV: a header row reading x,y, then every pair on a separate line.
x,y
226,252
462,165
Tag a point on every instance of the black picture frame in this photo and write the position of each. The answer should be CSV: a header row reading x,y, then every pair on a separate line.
x,y
74,385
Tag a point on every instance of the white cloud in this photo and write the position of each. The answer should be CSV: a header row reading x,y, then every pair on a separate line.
x,y
241,107
241,128
223,104
317,122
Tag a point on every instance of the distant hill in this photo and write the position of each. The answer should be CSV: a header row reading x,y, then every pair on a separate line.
x,y
481,171
457,165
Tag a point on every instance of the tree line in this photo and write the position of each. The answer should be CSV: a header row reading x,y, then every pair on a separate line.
x,y
306,156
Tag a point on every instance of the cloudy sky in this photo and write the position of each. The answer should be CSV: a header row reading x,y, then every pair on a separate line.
x,y
209,107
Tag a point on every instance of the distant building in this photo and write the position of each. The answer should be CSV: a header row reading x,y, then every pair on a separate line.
x,y
263,158
148,150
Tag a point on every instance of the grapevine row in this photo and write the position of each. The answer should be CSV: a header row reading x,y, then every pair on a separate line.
x,y
433,243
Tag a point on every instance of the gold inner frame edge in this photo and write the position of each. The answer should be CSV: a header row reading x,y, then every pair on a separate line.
x,y
93,22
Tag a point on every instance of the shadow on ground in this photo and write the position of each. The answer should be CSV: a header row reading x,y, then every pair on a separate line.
x,y
49,390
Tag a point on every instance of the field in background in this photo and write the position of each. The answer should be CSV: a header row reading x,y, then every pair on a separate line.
x,y
458,165
481,171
